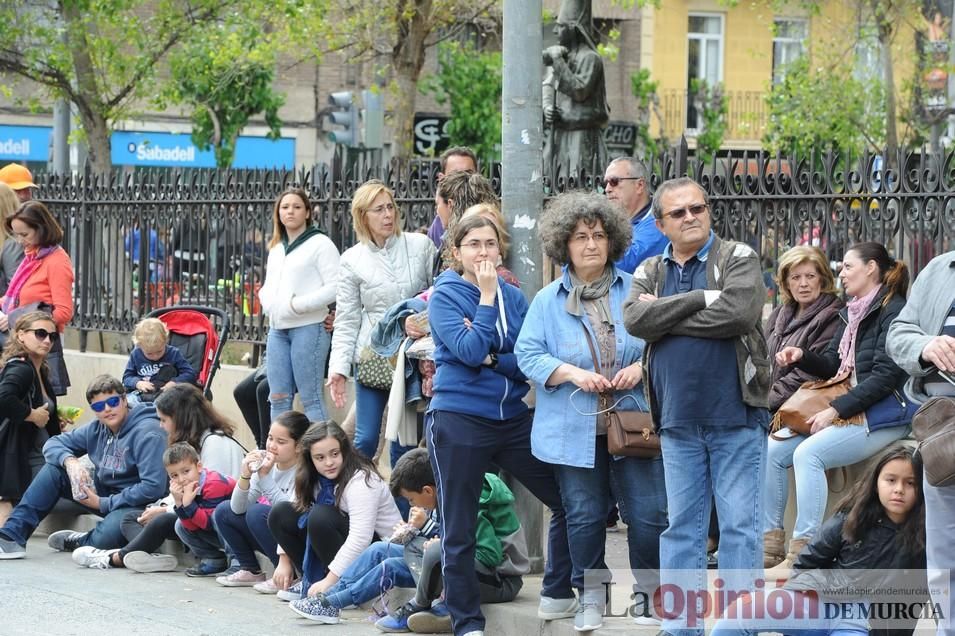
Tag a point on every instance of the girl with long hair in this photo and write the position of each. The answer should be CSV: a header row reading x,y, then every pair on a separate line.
x,y
301,278
341,505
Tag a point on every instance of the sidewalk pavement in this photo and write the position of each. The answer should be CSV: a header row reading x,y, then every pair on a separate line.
x,y
46,593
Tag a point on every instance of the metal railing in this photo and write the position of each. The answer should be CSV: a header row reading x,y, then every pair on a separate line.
x,y
745,117
202,236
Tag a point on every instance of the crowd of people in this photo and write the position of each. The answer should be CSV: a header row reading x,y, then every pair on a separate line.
x,y
652,313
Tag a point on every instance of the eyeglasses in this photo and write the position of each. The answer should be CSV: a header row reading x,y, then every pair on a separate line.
x,y
598,237
615,181
696,210
380,209
490,244
43,334
111,402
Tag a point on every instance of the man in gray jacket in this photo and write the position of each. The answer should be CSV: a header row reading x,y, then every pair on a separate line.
x,y
922,341
706,373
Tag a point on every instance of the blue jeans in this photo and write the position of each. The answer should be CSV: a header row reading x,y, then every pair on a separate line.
x,y
206,544
940,551
738,621
703,463
244,534
832,447
369,407
45,490
641,494
380,567
296,361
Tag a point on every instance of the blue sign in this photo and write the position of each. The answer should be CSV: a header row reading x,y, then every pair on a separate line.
x,y
177,150
25,143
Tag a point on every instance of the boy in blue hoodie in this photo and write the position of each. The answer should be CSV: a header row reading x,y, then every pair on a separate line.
x,y
125,447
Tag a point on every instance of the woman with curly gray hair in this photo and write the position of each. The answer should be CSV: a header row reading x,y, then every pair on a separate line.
x,y
574,346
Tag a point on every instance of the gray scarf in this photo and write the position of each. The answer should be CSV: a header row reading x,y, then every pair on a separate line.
x,y
597,291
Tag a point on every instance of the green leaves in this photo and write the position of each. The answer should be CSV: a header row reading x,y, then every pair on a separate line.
x,y
824,109
711,105
471,82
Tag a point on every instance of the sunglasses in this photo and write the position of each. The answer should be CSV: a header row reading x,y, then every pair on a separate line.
x,y
615,181
695,210
43,334
111,402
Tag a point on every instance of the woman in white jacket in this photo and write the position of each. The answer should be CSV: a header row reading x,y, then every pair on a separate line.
x,y
384,268
300,281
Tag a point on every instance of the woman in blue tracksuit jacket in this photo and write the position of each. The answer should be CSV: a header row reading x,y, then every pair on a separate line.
x,y
478,420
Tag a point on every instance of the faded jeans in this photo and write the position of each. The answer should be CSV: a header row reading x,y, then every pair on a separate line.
x,y
702,463
832,447
296,362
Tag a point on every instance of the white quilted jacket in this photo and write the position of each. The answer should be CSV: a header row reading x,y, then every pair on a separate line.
x,y
370,281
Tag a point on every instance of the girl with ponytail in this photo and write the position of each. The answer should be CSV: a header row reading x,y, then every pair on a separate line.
x,y
857,424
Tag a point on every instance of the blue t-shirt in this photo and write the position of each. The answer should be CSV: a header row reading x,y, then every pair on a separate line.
x,y
696,380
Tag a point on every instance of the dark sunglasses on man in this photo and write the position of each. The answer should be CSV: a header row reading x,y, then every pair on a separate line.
x,y
615,181
695,210
43,334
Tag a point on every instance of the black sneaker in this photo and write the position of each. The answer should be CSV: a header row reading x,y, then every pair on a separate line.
x,y
66,540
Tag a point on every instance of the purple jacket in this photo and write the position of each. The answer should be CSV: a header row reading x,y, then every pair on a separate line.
x,y
811,331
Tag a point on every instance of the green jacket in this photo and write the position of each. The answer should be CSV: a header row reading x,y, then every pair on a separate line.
x,y
500,539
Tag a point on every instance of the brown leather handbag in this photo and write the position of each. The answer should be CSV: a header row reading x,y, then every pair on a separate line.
x,y
808,400
933,425
629,433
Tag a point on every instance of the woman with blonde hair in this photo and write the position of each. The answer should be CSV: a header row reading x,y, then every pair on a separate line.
x,y
806,317
385,266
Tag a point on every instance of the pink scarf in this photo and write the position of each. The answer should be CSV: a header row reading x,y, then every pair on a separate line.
x,y
857,308
29,264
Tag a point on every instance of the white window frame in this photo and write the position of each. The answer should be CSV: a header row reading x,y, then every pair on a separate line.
x,y
778,74
703,38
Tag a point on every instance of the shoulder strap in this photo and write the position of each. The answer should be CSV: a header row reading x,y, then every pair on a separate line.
x,y
593,351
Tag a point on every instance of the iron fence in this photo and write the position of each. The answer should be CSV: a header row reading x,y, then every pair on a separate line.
x,y
159,237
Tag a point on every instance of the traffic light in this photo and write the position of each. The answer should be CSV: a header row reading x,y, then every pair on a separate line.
x,y
345,114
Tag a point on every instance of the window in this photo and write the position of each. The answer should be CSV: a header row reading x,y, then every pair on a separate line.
x,y
704,56
789,44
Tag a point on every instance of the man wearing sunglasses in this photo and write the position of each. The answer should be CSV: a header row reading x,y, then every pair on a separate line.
x,y
625,183
706,370
125,446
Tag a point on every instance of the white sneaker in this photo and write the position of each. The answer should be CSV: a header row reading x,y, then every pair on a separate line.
x,y
266,587
647,621
145,562
89,557
555,608
293,593
476,632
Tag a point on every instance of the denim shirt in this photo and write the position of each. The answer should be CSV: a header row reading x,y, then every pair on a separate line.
x,y
550,337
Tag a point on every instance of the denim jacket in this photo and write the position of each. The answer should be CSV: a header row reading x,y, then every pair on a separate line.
x,y
550,337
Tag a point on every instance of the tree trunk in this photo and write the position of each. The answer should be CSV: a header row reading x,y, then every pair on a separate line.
x,y
407,59
87,94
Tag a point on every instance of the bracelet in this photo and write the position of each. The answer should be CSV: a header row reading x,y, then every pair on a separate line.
x,y
245,478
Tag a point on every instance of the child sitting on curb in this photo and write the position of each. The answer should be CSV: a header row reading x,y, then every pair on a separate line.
x,y
196,492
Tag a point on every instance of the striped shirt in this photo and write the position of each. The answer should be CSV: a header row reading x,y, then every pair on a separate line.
x,y
935,384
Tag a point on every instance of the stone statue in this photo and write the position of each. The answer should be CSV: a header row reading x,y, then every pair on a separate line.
x,y
575,96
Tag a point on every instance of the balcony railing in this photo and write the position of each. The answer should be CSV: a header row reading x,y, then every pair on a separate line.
x,y
746,115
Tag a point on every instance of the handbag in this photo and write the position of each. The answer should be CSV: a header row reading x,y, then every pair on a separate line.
x,y
373,370
933,425
809,399
629,433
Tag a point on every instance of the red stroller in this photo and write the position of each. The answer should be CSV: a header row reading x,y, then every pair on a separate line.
x,y
192,330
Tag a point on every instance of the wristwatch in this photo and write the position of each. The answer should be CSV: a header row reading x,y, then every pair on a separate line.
x,y
493,363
